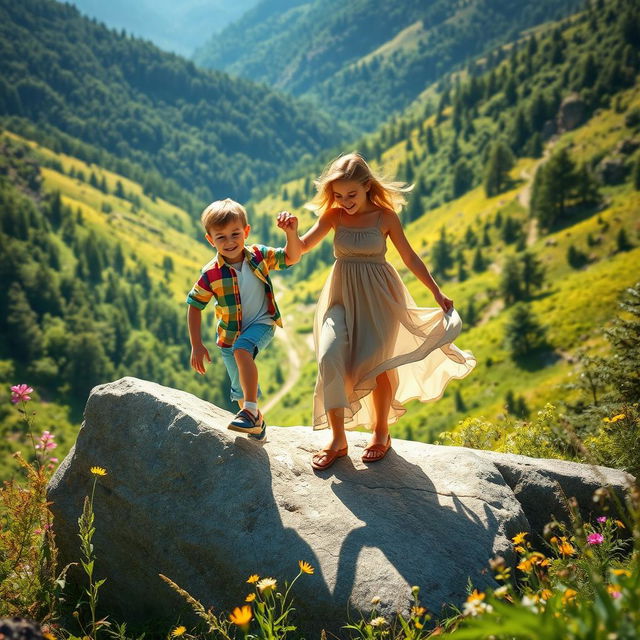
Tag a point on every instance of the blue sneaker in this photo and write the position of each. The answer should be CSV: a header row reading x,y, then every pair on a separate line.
x,y
246,422
260,437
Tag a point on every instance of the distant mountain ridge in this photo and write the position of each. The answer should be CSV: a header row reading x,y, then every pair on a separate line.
x,y
211,134
361,63
173,26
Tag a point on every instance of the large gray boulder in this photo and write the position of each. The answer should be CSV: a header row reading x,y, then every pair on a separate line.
x,y
207,507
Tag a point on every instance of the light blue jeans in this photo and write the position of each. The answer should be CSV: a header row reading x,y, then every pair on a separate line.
x,y
253,339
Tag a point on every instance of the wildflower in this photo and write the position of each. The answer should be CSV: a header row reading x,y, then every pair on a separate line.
x,y
621,572
602,519
620,524
564,547
595,538
378,622
613,591
475,605
20,393
520,549
178,631
267,585
47,635
569,596
253,578
620,416
375,600
250,598
526,565
305,567
418,611
501,592
415,590
241,617
519,538
46,441
530,603
546,594
98,471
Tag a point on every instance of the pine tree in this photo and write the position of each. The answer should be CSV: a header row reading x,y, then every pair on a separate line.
x,y
458,403
553,185
636,174
622,368
532,273
523,333
478,264
462,178
622,240
441,254
22,326
500,163
510,288
430,140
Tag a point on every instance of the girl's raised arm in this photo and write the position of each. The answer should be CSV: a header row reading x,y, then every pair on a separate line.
x,y
413,261
318,231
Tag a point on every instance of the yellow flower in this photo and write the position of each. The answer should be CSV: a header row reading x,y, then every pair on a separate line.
x,y
546,594
98,471
418,611
250,598
305,567
569,596
526,565
621,572
520,549
47,635
418,625
266,585
475,595
241,616
254,578
519,538
620,524
178,631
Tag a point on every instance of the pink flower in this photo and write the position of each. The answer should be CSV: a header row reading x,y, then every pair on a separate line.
x,y
602,519
46,441
616,594
20,393
595,538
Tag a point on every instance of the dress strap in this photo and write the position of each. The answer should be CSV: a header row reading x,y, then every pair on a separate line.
x,y
379,218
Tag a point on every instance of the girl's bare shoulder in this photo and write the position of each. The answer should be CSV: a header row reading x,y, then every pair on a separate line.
x,y
330,216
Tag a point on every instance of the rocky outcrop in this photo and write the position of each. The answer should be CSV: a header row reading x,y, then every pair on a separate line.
x,y
571,114
186,498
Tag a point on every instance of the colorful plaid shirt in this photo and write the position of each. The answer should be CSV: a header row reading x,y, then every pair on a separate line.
x,y
219,280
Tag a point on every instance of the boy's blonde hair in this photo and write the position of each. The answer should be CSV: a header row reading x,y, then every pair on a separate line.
x,y
221,212
383,193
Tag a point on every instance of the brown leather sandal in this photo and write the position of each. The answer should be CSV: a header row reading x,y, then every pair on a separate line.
x,y
329,455
377,448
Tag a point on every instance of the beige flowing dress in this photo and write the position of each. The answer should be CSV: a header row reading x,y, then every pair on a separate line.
x,y
366,323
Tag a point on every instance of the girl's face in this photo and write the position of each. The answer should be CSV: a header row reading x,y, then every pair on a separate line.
x,y
350,195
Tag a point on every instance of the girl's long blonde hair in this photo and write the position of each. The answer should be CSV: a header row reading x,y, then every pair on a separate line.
x,y
383,193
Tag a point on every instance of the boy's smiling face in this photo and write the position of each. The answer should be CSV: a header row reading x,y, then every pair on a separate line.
x,y
229,240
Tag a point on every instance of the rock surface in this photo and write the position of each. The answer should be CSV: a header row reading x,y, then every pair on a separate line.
x,y
207,507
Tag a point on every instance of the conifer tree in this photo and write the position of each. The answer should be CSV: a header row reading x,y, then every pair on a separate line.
x,y
523,332
441,254
532,273
500,163
510,288
553,185
478,264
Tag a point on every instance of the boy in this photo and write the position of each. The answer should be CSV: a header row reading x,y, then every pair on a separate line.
x,y
246,310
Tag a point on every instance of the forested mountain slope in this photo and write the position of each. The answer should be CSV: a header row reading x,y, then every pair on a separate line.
x,y
362,60
527,178
201,131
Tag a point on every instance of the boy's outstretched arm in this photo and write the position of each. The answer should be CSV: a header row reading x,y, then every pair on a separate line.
x,y
198,350
293,247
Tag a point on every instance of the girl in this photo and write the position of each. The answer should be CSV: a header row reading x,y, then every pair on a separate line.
x,y
375,348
